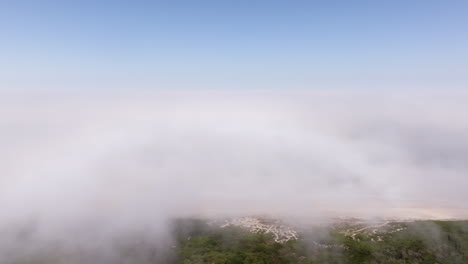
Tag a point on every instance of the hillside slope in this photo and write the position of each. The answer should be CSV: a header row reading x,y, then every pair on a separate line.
x,y
422,242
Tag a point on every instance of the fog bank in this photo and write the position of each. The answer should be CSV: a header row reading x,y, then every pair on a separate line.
x,y
106,166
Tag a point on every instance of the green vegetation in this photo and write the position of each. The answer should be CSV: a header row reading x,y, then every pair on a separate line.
x,y
233,245
422,242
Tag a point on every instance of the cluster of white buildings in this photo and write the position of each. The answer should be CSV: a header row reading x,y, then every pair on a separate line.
x,y
281,233
376,230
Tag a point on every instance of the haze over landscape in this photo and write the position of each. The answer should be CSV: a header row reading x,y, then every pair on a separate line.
x,y
121,121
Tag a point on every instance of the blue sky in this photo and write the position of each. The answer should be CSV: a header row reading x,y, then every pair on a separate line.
x,y
233,44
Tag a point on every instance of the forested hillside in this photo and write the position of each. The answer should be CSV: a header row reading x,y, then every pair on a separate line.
x,y
422,242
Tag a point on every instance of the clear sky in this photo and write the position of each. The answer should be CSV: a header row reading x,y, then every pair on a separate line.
x,y
233,44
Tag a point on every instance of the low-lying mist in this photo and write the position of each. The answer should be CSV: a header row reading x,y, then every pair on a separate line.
x,y
95,172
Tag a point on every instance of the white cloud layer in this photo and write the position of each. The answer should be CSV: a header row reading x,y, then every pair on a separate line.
x,y
87,161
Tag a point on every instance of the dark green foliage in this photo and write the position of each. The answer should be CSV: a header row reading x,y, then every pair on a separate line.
x,y
422,242
230,246
236,246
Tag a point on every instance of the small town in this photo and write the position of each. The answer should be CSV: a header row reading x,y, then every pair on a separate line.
x,y
280,231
